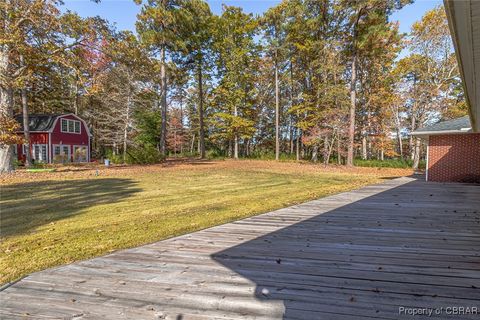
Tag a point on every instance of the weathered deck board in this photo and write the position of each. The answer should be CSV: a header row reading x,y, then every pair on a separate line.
x,y
356,255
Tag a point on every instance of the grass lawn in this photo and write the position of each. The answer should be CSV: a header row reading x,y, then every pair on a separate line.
x,y
53,218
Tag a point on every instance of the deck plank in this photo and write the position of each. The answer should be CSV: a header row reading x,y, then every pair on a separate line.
x,y
356,255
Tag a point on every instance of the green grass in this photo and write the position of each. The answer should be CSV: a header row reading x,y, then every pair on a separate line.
x,y
70,217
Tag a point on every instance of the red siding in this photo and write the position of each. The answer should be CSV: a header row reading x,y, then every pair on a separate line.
x,y
454,158
59,137
35,138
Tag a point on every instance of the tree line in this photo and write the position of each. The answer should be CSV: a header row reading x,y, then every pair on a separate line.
x,y
310,79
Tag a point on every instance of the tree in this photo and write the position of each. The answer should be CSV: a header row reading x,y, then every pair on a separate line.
x,y
237,60
196,54
273,24
364,21
158,26
429,75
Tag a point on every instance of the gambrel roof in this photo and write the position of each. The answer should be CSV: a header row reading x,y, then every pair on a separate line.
x,y
38,122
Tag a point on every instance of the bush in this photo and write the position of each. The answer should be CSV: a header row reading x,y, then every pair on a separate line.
x,y
114,158
146,154
215,154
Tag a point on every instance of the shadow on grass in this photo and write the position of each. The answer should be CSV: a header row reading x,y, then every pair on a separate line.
x,y
26,206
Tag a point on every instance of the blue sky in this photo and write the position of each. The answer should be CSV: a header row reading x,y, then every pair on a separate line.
x,y
123,12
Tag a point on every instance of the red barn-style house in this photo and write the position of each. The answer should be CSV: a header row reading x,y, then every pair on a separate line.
x,y
56,139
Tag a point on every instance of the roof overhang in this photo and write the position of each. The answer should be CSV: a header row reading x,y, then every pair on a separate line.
x,y
464,22
426,134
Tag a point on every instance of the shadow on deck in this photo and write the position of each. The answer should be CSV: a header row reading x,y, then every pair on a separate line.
x,y
415,245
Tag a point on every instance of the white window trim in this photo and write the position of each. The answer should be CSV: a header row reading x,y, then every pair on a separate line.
x,y
46,152
69,155
73,154
68,126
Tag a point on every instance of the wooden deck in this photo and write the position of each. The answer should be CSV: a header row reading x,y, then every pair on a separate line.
x,y
356,255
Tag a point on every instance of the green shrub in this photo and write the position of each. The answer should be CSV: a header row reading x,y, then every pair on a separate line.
x,y
215,154
388,163
268,155
146,154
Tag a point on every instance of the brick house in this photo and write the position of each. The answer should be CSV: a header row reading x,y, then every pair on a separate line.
x,y
453,151
55,138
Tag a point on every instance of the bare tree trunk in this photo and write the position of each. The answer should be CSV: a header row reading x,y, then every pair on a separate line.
x,y
325,147
382,154
277,110
291,135
416,157
192,144
6,111
353,103
6,97
364,147
410,141
26,128
297,144
235,141
328,150
200,112
315,153
400,143
339,156
369,148
75,98
125,128
163,102
175,143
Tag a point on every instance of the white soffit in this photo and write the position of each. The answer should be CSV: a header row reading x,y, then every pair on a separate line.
x,y
464,21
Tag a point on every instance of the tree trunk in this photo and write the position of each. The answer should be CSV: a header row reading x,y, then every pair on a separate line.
x,y
235,141
382,154
125,128
364,147
297,144
192,144
26,128
411,143
339,156
328,150
325,147
6,111
75,98
200,112
163,102
315,153
353,103
416,157
277,111
400,143
6,97
175,143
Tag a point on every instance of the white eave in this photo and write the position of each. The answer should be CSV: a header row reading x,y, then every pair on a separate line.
x,y
464,22
440,132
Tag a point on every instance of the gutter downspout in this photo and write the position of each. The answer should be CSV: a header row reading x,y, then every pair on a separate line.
x,y
426,165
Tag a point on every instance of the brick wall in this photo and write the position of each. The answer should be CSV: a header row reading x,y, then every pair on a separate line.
x,y
454,158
